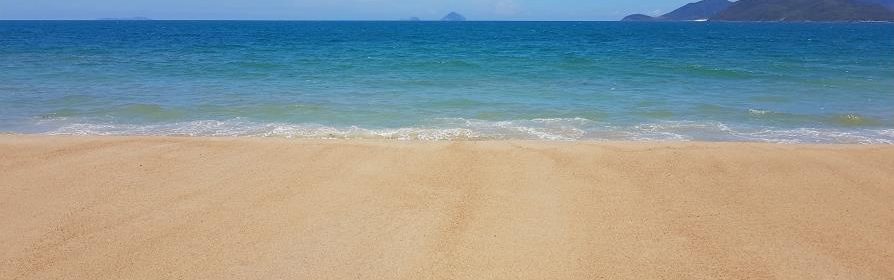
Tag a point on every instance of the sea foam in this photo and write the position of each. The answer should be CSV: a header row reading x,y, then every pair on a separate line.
x,y
554,129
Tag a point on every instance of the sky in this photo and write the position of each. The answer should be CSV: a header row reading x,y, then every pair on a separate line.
x,y
335,9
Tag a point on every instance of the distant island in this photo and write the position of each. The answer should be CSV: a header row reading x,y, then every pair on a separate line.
x,y
778,10
453,16
126,18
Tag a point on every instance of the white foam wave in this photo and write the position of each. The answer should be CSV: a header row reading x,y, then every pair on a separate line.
x,y
815,135
558,129
757,112
240,128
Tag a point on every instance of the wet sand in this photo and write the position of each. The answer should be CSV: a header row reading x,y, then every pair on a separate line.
x,y
225,208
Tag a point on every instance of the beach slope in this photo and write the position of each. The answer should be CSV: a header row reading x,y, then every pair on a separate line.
x,y
211,208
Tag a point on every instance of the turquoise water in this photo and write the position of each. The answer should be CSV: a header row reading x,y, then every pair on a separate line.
x,y
763,82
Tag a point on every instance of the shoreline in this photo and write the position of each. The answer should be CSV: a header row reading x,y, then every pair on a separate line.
x,y
399,141
397,135
849,129
141,207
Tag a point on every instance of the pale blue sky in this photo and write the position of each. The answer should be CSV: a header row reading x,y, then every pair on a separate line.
x,y
334,9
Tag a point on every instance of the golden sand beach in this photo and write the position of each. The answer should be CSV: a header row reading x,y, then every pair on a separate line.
x,y
252,208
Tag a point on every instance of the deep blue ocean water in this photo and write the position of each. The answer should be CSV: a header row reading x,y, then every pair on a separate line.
x,y
765,82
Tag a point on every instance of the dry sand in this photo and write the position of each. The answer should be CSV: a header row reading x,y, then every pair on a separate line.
x,y
204,208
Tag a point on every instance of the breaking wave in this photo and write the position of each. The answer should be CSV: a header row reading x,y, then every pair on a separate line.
x,y
557,129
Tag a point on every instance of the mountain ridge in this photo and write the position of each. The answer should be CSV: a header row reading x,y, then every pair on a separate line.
x,y
804,10
700,10
778,10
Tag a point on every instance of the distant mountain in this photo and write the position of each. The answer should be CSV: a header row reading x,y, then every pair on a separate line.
x,y
884,3
639,17
699,10
454,16
806,10
693,11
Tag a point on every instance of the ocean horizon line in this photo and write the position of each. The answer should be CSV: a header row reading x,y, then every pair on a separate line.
x,y
443,21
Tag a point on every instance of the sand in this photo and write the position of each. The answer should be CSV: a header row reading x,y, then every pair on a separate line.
x,y
211,208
